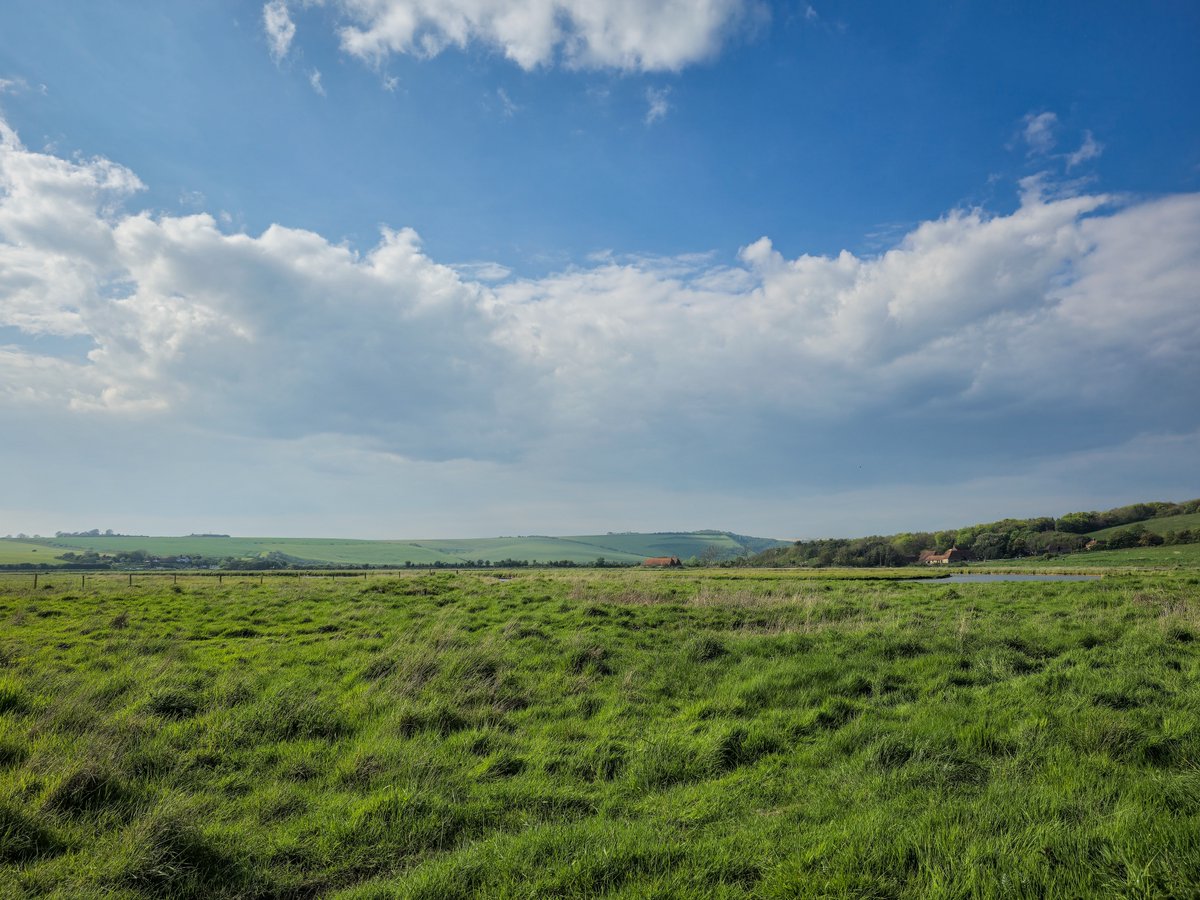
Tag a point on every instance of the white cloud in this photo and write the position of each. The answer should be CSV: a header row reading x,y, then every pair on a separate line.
x,y
1089,149
19,85
656,103
586,34
1075,311
1039,132
314,81
280,29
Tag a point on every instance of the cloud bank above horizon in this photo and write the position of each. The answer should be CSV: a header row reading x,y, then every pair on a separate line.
x,y
1076,312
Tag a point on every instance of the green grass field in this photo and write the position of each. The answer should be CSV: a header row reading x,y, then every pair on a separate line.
x,y
16,552
724,734
628,548
1157,526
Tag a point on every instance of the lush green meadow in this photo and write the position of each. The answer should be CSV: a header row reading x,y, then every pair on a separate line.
x,y
721,733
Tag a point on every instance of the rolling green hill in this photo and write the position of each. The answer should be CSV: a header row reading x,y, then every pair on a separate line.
x,y
1161,525
621,548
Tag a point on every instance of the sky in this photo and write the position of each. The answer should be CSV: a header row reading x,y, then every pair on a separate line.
x,y
397,268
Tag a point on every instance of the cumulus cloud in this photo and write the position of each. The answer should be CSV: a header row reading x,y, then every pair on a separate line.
x,y
279,27
1068,315
586,34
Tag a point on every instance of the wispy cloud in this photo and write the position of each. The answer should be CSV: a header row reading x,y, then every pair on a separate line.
x,y
1089,149
1039,132
507,107
483,271
279,28
19,86
314,80
192,199
656,104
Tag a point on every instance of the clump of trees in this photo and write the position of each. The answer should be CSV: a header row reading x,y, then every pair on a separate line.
x,y
95,532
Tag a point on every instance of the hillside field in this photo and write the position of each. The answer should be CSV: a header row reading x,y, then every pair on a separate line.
x,y
625,548
1181,556
1156,526
698,733
16,552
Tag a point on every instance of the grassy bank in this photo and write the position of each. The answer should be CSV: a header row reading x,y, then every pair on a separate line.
x,y
719,734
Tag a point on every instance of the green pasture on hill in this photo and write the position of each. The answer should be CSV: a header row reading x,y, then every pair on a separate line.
x,y
1181,556
579,734
1189,521
627,548
14,552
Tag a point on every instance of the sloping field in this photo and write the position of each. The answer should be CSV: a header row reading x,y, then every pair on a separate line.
x,y
1157,526
16,552
1183,556
629,548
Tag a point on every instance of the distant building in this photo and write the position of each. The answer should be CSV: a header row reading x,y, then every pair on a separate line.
x,y
662,561
929,558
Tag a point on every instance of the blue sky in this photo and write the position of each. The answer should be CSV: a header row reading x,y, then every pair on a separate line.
x,y
385,268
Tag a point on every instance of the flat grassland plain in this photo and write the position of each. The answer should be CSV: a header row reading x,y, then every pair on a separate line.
x,y
697,733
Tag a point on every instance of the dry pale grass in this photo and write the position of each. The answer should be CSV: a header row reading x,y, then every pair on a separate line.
x,y
1168,603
